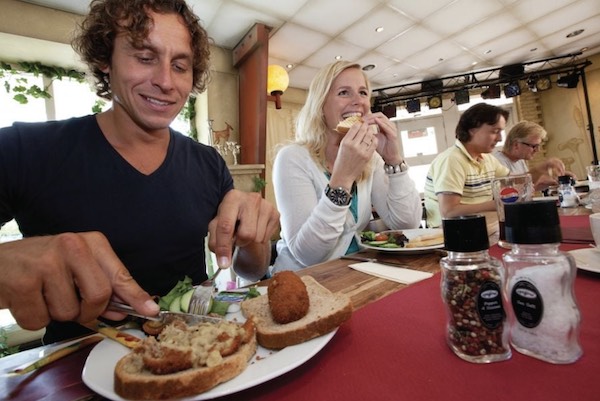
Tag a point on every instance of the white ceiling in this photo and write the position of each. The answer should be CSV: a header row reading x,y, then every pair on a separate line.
x,y
421,39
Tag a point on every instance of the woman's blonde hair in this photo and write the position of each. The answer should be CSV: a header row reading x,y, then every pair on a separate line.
x,y
521,131
311,128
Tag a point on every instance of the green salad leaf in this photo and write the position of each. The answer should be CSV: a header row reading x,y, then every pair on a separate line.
x,y
180,288
252,293
368,235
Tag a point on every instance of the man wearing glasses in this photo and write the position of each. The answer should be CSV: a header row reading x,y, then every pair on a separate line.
x,y
522,143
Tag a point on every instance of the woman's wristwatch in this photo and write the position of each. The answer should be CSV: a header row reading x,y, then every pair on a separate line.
x,y
338,196
395,168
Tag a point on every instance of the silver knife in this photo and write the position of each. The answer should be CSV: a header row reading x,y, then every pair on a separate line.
x,y
164,316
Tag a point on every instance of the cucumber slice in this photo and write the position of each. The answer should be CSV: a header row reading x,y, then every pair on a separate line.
x,y
234,308
185,300
175,305
376,243
219,307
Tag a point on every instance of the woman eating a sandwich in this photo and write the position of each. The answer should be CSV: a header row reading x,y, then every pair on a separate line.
x,y
335,171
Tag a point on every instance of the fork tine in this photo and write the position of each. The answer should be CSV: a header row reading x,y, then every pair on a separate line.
x,y
201,300
198,299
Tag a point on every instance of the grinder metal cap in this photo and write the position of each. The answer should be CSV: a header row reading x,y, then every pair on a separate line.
x,y
565,179
465,234
534,222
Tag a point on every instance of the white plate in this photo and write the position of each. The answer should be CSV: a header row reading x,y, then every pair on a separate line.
x,y
265,365
587,259
410,234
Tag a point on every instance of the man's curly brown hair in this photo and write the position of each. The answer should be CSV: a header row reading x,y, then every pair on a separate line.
x,y
96,39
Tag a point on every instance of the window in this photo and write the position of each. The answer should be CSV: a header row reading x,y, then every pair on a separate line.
x,y
72,99
34,110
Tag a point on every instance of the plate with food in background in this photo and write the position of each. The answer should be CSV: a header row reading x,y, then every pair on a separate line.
x,y
416,240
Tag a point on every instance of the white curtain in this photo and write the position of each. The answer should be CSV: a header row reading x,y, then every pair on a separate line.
x,y
280,130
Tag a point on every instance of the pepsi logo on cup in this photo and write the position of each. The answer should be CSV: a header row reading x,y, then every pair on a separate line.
x,y
509,195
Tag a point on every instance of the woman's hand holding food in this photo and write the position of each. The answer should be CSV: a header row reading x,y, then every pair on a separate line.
x,y
387,138
355,151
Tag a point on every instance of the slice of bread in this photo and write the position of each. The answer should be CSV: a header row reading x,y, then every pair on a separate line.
x,y
345,125
326,312
134,381
425,240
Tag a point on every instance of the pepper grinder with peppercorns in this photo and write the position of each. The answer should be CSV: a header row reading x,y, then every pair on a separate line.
x,y
472,291
544,318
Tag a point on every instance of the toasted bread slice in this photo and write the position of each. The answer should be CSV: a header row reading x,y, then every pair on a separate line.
x,y
426,240
133,380
345,125
326,312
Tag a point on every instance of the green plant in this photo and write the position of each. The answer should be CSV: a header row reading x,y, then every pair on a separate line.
x,y
98,106
259,183
22,89
188,113
5,350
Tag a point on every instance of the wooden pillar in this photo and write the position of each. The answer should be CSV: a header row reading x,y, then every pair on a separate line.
x,y
251,57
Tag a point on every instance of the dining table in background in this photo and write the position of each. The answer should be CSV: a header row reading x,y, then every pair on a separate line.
x,y
393,347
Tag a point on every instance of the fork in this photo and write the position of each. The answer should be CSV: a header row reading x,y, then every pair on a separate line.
x,y
202,298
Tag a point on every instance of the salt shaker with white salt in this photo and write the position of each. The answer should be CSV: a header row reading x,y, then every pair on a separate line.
x,y
544,318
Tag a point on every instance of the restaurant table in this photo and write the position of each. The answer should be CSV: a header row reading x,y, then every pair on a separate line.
x,y
393,347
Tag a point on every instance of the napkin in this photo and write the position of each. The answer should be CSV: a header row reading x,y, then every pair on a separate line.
x,y
399,274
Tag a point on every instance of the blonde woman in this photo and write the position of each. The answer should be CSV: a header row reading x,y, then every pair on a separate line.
x,y
327,183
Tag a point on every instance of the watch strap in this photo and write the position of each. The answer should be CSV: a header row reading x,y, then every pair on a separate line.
x,y
395,168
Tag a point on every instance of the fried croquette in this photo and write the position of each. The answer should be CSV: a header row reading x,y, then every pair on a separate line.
x,y
288,298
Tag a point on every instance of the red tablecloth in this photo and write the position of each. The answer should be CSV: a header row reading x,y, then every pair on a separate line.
x,y
395,349
576,229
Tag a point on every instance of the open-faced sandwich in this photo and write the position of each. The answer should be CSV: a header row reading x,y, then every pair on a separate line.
x,y
295,310
185,360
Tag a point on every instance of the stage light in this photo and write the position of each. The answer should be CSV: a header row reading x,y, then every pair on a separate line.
x,y
492,92
434,102
413,105
568,81
433,85
538,84
462,96
511,71
389,110
512,89
543,84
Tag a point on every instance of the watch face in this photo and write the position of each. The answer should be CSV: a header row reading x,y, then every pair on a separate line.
x,y
338,196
